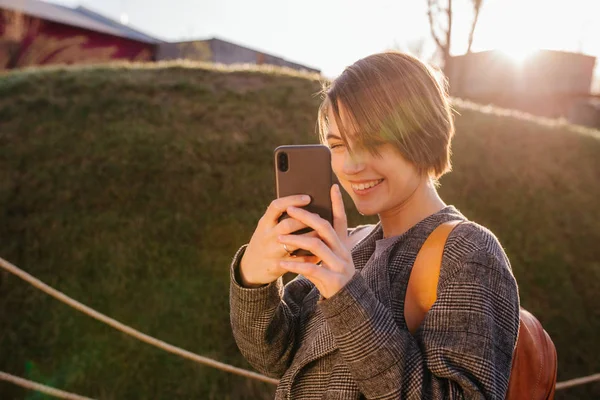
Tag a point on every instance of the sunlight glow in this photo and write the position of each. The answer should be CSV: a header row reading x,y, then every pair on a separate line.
x,y
518,54
518,28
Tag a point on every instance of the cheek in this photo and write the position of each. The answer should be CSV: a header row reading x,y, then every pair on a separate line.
x,y
403,177
337,163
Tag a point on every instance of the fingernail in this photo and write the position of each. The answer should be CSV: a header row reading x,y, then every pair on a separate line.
x,y
305,198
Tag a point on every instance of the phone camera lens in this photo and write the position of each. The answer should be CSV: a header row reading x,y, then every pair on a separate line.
x,y
282,160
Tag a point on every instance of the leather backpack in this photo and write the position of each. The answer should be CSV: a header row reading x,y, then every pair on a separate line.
x,y
534,366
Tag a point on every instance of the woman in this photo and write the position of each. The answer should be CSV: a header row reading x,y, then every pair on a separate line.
x,y
337,331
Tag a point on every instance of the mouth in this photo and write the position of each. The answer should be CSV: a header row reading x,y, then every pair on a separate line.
x,y
366,187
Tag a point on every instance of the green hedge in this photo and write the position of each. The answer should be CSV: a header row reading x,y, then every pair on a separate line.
x,y
129,188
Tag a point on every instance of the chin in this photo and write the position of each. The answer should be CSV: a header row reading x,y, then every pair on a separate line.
x,y
366,210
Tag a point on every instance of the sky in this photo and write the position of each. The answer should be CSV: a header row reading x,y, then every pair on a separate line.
x,y
331,34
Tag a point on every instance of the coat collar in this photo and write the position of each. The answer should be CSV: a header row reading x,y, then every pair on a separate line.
x,y
361,253
323,341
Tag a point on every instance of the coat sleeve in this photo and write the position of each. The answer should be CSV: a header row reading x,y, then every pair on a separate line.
x,y
462,350
264,319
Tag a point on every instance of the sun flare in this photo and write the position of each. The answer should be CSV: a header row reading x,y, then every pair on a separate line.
x,y
518,54
518,29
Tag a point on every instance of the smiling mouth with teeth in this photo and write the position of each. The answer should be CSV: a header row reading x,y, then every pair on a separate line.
x,y
368,185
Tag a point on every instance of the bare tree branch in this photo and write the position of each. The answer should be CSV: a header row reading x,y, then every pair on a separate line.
x,y
449,31
438,42
476,8
441,24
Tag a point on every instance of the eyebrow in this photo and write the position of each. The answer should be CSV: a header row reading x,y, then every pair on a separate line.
x,y
332,136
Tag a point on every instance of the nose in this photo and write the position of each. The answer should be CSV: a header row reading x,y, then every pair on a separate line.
x,y
353,164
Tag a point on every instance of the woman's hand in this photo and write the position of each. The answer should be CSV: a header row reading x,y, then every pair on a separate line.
x,y
260,263
331,246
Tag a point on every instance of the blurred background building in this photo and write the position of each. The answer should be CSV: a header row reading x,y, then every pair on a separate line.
x,y
547,83
34,32
221,51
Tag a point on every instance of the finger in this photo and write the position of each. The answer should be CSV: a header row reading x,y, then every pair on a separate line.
x,y
305,259
290,249
287,250
308,259
315,246
321,226
289,225
279,206
315,273
312,234
302,259
340,220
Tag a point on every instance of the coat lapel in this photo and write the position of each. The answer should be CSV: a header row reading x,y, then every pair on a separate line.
x,y
322,340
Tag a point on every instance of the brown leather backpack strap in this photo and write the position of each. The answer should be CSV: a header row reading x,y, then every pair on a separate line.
x,y
421,292
533,371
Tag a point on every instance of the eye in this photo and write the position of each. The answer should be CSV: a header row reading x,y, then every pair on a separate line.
x,y
333,146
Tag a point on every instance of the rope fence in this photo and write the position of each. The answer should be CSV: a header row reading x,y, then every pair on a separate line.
x,y
129,330
157,343
69,396
577,381
40,388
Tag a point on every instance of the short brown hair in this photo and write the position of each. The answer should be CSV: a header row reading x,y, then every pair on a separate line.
x,y
392,97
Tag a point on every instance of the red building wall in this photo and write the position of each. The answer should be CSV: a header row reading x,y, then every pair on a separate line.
x,y
30,41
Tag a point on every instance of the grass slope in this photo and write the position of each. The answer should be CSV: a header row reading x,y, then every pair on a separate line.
x,y
130,187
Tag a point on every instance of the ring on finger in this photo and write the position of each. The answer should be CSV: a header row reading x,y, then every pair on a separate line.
x,y
286,249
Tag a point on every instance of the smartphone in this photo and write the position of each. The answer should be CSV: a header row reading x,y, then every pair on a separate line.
x,y
305,169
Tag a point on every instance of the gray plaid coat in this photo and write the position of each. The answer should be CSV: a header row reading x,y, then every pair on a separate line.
x,y
356,345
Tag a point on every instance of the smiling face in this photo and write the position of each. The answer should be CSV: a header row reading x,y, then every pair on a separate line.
x,y
388,122
378,183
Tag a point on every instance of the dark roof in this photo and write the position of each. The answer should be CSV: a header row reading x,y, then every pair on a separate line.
x,y
127,30
81,17
270,55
